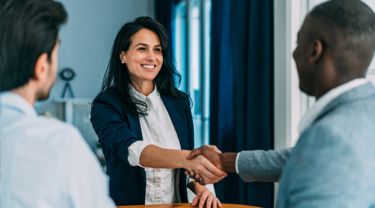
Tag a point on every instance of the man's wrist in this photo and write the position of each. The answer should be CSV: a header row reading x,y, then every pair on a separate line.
x,y
228,161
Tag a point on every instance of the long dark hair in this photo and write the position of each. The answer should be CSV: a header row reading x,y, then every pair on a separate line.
x,y
117,75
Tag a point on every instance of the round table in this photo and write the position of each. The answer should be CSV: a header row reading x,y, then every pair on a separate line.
x,y
183,205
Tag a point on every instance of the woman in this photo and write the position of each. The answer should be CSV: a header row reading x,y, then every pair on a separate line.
x,y
143,122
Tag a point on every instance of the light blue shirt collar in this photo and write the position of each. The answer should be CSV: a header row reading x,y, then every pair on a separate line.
x,y
15,102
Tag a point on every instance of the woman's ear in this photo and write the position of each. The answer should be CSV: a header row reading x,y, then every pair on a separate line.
x,y
123,57
316,51
41,67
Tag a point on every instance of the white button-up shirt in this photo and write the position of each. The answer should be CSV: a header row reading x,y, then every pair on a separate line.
x,y
157,129
45,163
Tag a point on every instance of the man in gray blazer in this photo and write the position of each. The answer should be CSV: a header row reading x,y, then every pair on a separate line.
x,y
332,164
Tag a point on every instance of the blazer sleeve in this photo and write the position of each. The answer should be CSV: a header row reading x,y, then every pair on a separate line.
x,y
111,126
259,165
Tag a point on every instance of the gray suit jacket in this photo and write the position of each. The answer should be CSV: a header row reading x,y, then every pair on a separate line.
x,y
333,163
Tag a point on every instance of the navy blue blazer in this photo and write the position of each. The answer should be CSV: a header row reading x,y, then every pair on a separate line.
x,y
117,129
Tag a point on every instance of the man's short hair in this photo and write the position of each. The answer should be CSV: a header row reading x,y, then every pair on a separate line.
x,y
350,26
28,28
352,17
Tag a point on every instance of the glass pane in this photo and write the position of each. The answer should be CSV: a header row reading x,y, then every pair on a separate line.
x,y
206,82
179,42
191,32
194,55
194,68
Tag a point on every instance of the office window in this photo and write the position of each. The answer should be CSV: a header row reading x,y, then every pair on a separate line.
x,y
191,35
179,41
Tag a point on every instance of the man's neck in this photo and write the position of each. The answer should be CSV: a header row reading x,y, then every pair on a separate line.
x,y
26,93
326,86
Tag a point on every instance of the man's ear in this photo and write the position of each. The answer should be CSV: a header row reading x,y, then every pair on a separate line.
x,y
123,57
41,67
316,51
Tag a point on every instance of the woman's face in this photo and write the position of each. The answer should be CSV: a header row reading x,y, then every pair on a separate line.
x,y
144,57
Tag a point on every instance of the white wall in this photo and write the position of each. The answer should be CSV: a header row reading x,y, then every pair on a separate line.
x,y
88,36
289,101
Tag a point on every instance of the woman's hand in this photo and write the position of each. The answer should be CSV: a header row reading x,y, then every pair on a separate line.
x,y
204,171
205,198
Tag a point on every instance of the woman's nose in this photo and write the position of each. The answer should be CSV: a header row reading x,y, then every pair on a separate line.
x,y
150,56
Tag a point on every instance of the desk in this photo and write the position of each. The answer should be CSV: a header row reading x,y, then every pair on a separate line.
x,y
183,205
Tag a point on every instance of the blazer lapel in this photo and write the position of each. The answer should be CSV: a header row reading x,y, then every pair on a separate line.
x,y
177,116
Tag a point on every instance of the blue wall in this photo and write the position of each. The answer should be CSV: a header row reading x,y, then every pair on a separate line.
x,y
88,36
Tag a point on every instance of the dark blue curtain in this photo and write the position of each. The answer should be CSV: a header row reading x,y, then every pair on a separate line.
x,y
242,89
164,14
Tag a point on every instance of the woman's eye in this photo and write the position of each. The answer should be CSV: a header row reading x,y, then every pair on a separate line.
x,y
141,49
158,49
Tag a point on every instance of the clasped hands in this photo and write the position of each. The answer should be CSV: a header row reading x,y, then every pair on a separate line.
x,y
205,165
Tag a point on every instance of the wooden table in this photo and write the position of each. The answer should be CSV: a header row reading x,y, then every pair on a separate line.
x,y
183,205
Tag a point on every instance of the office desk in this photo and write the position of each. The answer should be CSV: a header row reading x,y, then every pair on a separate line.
x,y
184,205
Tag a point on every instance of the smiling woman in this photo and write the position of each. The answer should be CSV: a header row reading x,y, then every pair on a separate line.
x,y
144,59
144,123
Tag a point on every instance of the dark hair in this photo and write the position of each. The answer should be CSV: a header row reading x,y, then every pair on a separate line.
x,y
351,26
117,74
28,28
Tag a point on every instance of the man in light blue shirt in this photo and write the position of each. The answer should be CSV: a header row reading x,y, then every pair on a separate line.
x,y
43,162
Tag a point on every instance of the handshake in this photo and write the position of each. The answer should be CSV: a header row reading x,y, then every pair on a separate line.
x,y
207,164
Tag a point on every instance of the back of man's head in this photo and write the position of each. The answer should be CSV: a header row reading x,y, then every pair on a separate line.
x,y
347,28
28,28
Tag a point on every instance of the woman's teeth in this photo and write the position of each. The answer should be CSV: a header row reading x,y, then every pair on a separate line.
x,y
148,66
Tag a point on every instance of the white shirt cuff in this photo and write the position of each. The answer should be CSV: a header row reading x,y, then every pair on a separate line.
x,y
135,151
189,180
238,156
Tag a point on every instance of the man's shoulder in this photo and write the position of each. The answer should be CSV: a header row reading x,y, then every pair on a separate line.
x,y
351,105
348,115
59,134
65,138
54,125
344,130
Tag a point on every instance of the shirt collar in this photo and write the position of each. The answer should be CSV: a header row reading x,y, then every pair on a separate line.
x,y
16,102
322,102
152,100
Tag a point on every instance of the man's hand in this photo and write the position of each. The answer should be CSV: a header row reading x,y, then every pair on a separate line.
x,y
224,161
211,152
203,170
